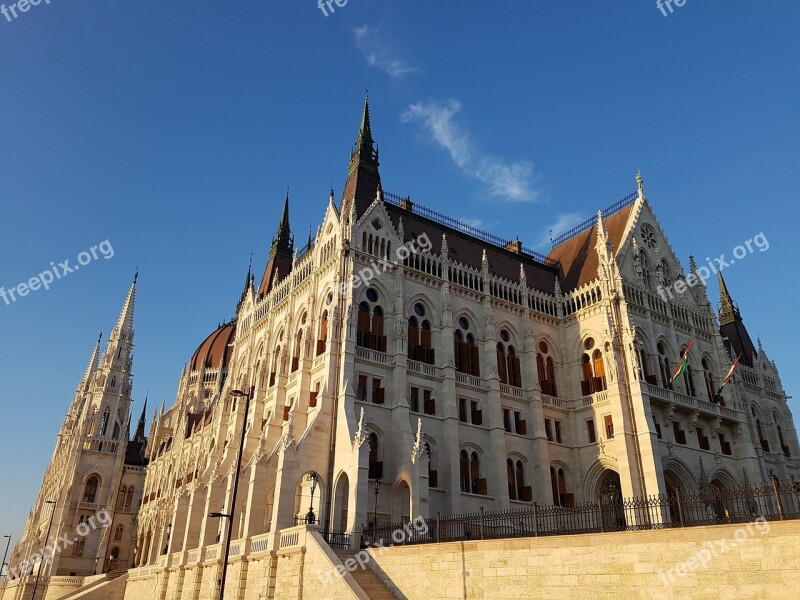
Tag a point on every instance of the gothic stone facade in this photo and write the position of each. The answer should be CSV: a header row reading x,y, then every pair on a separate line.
x,y
459,370
92,488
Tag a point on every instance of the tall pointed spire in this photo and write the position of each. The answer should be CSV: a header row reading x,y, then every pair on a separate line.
x,y
365,145
92,361
248,284
732,327
728,313
140,426
280,254
363,181
283,237
125,321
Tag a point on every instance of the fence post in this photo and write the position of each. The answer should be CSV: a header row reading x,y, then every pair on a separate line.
x,y
482,523
777,498
600,514
535,519
438,527
680,509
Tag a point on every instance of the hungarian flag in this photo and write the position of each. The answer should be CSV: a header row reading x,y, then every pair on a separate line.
x,y
684,361
716,398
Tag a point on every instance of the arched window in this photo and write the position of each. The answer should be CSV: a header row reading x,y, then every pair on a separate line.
x,y
419,336
276,363
121,496
433,475
465,349
545,369
663,364
708,377
508,367
593,370
666,274
129,498
104,422
761,437
369,328
470,473
90,491
558,482
688,377
644,364
646,273
323,334
782,440
515,472
118,532
375,463
298,345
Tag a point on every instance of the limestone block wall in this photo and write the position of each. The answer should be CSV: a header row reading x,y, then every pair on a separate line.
x,y
759,562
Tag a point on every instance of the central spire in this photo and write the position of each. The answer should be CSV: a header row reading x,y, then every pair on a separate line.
x,y
364,150
283,237
363,180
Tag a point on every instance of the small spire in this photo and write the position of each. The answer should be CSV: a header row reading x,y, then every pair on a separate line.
x,y
283,237
727,310
140,426
639,182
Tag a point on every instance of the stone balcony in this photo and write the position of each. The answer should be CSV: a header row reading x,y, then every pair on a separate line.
x,y
689,404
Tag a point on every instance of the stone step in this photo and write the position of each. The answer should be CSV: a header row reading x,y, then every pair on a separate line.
x,y
372,585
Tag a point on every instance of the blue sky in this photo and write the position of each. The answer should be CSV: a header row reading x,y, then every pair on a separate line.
x,y
172,129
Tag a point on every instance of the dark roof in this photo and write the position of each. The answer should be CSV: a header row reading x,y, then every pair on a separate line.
x,y
134,453
468,249
214,351
577,255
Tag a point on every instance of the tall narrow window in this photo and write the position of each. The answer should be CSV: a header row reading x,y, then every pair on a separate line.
x,y
375,464
129,498
369,329
466,350
104,422
90,491
323,334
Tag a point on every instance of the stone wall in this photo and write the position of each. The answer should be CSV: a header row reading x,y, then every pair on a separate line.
x,y
763,564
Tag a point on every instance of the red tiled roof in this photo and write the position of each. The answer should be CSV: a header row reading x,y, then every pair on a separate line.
x,y
577,255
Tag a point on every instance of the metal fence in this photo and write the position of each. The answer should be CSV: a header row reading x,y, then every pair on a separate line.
x,y
706,506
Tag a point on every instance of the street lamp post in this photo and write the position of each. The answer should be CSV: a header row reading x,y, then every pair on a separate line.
x,y
8,544
310,517
376,490
46,538
229,514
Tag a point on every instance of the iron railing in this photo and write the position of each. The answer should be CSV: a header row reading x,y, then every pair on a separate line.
x,y
466,228
619,204
709,505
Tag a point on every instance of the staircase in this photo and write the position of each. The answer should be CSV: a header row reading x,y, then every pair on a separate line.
x,y
367,580
110,586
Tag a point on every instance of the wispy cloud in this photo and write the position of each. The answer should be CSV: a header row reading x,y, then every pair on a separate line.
x,y
511,181
563,222
380,53
476,223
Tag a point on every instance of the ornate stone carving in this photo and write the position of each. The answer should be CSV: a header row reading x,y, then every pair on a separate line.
x,y
419,446
361,435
